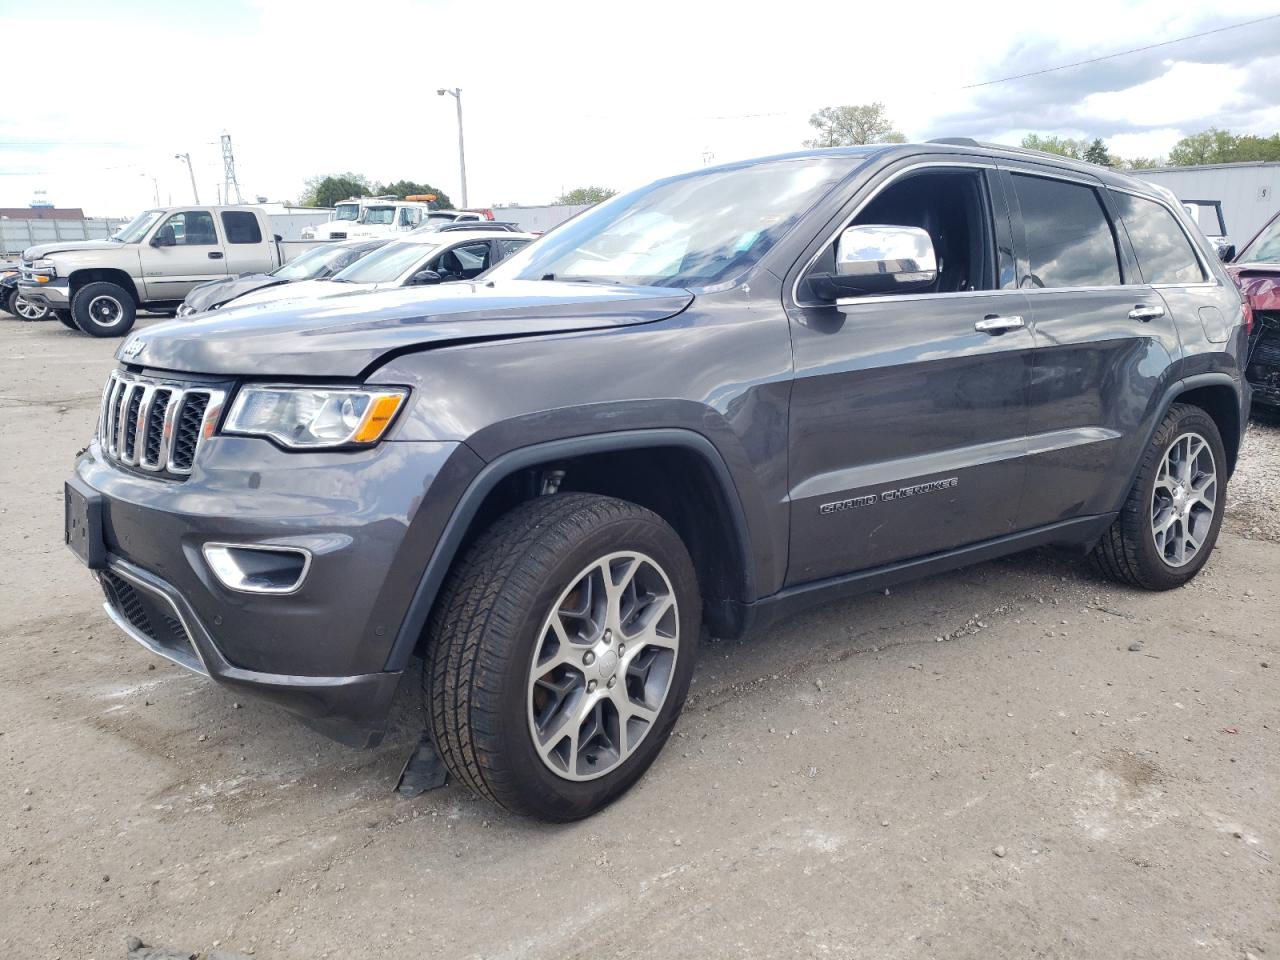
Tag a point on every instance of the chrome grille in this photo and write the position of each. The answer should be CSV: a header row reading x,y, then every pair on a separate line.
x,y
154,425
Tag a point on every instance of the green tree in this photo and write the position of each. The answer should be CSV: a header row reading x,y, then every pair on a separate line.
x,y
1062,146
1097,153
586,195
1141,163
1207,146
409,188
852,124
328,189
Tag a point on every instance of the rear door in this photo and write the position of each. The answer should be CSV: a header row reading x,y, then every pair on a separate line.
x,y
246,249
1104,344
907,418
196,255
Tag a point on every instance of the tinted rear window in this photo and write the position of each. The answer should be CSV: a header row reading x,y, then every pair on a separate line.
x,y
1163,250
1069,242
241,227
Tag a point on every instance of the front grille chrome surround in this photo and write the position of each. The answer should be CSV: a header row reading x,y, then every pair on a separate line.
x,y
157,425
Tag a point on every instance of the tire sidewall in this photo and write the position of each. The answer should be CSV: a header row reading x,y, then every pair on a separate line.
x,y
1187,420
540,789
92,291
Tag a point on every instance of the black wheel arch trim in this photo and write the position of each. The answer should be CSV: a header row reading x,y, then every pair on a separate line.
x,y
493,472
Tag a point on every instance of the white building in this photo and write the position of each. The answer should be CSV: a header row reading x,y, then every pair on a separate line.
x,y
1249,192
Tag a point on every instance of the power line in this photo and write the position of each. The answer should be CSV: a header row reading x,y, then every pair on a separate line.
x,y
1122,53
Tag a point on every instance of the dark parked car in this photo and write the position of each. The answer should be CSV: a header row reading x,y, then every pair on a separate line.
x,y
708,403
1257,271
318,263
11,301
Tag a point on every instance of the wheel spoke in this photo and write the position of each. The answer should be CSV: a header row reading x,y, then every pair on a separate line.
x,y
1183,499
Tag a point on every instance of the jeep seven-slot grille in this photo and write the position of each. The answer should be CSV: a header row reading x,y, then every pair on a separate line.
x,y
156,426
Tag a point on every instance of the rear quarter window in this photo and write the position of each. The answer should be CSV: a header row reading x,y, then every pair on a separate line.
x,y
1164,253
1068,237
241,227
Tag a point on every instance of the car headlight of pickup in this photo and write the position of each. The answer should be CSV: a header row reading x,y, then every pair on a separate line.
x,y
42,271
311,418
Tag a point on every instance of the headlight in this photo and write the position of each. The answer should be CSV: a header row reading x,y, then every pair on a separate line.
x,y
315,417
43,270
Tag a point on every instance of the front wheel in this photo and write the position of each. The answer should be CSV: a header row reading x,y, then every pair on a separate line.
x,y
103,309
560,654
1170,521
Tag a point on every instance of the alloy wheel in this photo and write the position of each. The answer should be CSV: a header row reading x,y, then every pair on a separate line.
x,y
602,665
1184,499
28,310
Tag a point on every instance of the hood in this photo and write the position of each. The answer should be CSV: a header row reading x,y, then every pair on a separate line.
x,y
215,293
1259,282
345,334
70,246
298,290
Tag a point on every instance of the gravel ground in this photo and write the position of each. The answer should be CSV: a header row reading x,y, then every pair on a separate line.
x,y
1014,760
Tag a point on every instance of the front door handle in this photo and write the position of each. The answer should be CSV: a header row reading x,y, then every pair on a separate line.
x,y
995,324
1146,312
215,254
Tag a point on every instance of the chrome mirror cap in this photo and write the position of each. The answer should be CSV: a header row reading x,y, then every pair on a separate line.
x,y
887,254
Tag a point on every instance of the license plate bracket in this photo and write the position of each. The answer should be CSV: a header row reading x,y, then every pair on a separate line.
x,y
82,529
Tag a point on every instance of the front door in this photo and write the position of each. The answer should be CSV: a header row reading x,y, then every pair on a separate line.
x,y
908,412
195,255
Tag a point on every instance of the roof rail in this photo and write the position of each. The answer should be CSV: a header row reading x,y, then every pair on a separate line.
x,y
957,141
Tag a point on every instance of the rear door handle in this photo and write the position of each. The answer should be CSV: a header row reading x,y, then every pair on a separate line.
x,y
215,254
998,324
1146,312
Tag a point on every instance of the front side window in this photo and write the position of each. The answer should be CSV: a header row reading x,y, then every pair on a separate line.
x,y
463,262
1265,247
386,264
1164,253
507,247
698,229
241,226
1068,238
192,228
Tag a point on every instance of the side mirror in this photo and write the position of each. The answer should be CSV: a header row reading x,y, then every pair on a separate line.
x,y
875,258
424,277
164,237
1226,252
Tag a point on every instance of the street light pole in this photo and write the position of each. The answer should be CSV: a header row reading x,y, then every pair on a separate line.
x,y
154,183
187,157
456,93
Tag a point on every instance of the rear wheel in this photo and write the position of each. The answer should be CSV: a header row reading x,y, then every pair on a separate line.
x,y
560,654
103,309
1170,522
65,318
25,309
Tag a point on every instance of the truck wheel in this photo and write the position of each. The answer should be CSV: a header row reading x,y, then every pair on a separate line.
x,y
25,309
103,310
560,654
65,318
1170,521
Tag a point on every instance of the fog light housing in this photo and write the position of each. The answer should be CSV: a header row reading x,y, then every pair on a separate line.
x,y
258,568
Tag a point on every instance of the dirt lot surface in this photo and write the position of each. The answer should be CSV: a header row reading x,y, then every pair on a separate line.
x,y
1016,760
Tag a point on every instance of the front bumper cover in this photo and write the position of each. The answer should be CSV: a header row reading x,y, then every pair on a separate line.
x,y
55,294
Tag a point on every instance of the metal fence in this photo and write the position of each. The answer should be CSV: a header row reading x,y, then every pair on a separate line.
x,y
17,235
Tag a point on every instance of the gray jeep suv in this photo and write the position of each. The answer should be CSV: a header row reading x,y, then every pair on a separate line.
x,y
704,404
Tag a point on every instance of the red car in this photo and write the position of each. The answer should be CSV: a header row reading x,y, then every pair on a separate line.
x,y
1257,271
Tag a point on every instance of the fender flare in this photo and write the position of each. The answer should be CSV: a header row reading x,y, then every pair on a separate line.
x,y
493,472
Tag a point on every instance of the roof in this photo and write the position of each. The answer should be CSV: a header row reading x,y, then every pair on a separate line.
x,y
42,213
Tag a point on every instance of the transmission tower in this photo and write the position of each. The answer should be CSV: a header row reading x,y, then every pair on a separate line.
x,y
229,182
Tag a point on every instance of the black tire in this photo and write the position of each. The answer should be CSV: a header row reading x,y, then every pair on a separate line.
x,y
6,299
483,637
29,312
65,318
95,303
1127,552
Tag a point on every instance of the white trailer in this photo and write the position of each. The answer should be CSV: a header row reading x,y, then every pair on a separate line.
x,y
1249,192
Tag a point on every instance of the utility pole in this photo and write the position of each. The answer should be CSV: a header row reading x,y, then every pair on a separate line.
x,y
456,93
229,181
191,170
154,183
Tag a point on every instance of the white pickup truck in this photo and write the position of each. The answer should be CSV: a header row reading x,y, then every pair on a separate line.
x,y
367,217
153,261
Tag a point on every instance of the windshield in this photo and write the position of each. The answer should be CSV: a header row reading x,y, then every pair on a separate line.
x,y
346,211
386,264
1265,247
689,231
378,215
137,228
320,262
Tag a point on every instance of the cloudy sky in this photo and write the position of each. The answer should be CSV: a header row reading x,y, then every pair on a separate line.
x,y
562,93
